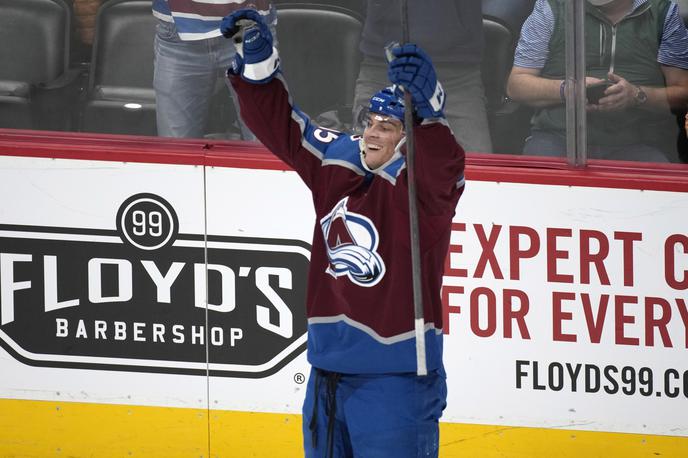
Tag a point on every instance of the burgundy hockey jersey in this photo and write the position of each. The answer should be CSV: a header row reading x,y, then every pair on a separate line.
x,y
360,296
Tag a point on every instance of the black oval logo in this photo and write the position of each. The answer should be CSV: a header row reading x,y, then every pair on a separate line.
x,y
147,222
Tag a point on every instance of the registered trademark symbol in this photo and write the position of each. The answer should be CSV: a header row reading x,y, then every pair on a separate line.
x,y
299,378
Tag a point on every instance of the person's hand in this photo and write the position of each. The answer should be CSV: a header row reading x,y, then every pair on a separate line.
x,y
256,59
412,68
241,19
590,80
619,96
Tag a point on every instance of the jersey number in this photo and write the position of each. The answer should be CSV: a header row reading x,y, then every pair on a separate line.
x,y
325,135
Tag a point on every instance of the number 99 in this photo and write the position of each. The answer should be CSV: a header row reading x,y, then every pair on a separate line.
x,y
151,225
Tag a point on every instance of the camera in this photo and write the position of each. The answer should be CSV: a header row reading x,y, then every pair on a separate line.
x,y
595,91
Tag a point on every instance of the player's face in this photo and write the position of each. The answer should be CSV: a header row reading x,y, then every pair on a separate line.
x,y
381,136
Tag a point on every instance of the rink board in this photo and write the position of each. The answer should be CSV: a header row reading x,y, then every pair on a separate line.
x,y
565,300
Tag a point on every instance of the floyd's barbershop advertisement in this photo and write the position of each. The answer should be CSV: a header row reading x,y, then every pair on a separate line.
x,y
565,306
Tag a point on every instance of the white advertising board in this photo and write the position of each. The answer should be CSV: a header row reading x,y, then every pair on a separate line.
x,y
74,295
568,308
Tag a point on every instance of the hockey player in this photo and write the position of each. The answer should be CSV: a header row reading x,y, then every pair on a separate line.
x,y
363,396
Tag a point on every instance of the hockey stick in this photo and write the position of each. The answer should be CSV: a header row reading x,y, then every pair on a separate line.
x,y
419,318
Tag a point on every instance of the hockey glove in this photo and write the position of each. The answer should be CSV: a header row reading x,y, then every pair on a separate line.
x,y
256,60
412,68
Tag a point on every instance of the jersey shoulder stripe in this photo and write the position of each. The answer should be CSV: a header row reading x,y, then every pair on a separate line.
x,y
345,152
331,146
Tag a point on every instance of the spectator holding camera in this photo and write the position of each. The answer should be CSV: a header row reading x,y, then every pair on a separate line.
x,y
637,72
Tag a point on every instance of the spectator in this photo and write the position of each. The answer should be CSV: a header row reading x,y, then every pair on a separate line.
x,y
363,397
451,32
191,58
85,24
639,46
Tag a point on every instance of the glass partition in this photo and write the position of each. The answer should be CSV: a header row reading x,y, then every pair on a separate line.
x,y
627,101
153,68
637,80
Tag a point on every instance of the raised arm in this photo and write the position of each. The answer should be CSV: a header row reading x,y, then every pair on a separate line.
x,y
264,101
439,158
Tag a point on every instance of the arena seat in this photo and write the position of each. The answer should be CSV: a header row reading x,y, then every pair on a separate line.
x,y
119,95
355,8
509,122
497,61
37,87
511,13
318,46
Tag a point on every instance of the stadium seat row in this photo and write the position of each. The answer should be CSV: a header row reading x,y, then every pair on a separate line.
x,y
113,92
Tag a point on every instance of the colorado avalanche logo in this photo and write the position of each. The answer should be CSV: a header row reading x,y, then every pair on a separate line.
x,y
351,241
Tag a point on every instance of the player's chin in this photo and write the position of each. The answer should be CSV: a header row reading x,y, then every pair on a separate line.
x,y
373,159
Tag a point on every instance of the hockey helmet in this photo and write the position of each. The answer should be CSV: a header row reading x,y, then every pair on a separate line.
x,y
389,102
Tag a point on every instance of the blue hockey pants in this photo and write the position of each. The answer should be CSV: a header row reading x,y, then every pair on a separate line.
x,y
380,415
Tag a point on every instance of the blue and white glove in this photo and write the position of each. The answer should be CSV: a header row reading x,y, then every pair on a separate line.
x,y
412,68
256,60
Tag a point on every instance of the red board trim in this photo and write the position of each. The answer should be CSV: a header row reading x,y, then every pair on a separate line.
x,y
238,154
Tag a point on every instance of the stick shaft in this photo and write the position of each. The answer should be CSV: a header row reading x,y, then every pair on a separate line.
x,y
419,317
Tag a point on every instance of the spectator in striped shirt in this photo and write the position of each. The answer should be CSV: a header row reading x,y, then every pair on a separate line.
x,y
191,58
639,48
